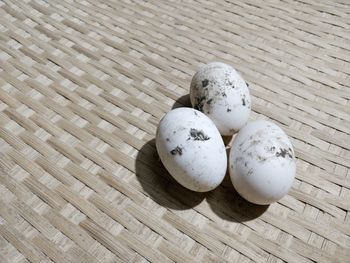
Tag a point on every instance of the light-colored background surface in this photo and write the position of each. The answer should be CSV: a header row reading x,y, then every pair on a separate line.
x,y
83,85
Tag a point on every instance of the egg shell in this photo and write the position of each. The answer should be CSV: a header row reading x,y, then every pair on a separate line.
x,y
262,162
220,92
191,149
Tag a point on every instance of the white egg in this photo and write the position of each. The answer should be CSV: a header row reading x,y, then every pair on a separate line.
x,y
220,92
262,162
191,149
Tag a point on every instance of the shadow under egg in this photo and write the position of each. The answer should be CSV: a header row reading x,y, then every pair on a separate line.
x,y
159,185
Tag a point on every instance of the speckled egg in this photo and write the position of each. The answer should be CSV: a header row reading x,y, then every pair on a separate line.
x,y
262,162
220,92
191,149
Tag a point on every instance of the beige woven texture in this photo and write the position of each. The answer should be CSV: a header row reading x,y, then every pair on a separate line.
x,y
83,85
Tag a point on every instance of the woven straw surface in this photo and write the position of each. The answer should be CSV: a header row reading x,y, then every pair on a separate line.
x,y
83,87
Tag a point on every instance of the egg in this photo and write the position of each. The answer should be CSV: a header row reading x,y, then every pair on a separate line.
x,y
191,149
262,162
220,92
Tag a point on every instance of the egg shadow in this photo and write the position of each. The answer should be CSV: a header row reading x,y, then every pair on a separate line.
x,y
158,183
183,101
229,205
227,140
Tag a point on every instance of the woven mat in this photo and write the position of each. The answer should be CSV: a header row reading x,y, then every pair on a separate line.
x,y
83,87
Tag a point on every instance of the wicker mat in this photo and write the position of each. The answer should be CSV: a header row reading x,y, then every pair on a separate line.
x,y
83,87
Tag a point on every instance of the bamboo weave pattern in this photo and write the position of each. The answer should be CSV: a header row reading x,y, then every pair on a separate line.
x,y
83,85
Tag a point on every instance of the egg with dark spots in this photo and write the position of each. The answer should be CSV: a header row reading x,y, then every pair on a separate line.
x,y
191,149
221,93
262,162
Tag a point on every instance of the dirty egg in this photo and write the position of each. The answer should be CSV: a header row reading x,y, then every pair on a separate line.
x,y
220,92
191,149
262,162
